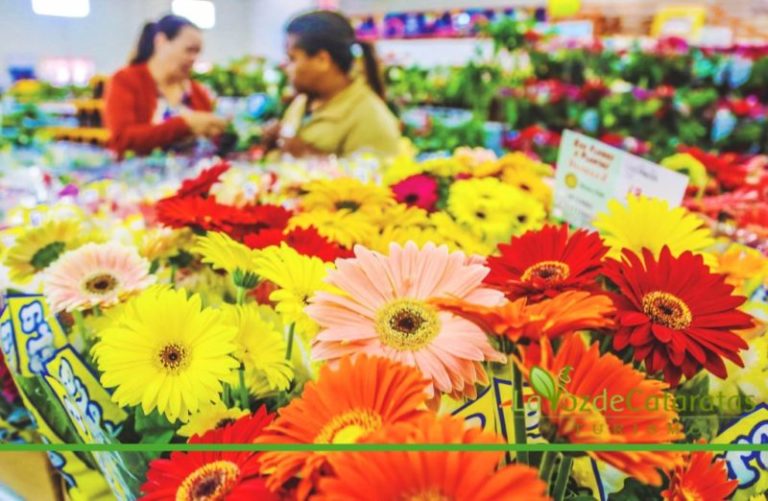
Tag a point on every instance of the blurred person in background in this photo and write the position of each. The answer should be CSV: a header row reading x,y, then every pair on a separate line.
x,y
153,102
340,108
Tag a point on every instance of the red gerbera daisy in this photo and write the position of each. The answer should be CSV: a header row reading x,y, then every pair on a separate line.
x,y
256,218
677,315
7,386
196,212
201,185
702,477
306,241
541,264
212,475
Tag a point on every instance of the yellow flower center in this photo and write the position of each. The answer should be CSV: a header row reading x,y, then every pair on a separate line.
x,y
173,358
549,272
405,324
689,495
210,482
102,283
667,309
349,427
427,495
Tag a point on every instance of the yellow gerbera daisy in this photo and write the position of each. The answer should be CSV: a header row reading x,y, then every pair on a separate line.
x,y
745,268
400,168
455,236
401,216
298,278
211,416
166,352
37,248
528,181
343,227
224,253
492,210
346,194
651,223
261,348
520,161
444,167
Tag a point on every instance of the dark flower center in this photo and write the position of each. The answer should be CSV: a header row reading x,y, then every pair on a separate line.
x,y
411,198
212,481
407,325
173,357
549,272
667,309
101,284
347,204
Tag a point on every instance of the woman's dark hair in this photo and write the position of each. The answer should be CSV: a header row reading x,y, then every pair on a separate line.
x,y
333,33
169,25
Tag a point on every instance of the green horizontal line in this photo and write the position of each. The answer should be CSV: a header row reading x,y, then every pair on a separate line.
x,y
384,447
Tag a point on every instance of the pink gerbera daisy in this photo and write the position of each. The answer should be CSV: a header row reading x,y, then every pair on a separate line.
x,y
383,308
95,275
420,191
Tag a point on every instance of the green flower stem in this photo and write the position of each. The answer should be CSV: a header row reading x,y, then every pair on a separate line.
x,y
244,400
291,334
241,295
81,329
563,474
547,465
518,412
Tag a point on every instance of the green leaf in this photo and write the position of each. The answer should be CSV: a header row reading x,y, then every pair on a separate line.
x,y
543,383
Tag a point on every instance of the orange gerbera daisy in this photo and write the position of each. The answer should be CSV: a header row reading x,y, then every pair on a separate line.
x,y
568,312
700,478
605,401
343,406
429,475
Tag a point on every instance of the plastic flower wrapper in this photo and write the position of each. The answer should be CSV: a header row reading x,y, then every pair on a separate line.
x,y
688,165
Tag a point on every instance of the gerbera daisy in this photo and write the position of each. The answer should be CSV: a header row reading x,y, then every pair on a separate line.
x,y
197,213
201,185
520,162
297,278
346,194
702,478
493,210
417,191
166,352
383,309
649,223
568,312
429,475
7,386
642,417
543,263
343,227
212,475
306,241
676,315
95,275
745,268
224,253
37,248
262,348
253,219
211,416
529,182
343,406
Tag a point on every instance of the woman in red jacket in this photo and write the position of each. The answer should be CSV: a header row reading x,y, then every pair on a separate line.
x,y
153,103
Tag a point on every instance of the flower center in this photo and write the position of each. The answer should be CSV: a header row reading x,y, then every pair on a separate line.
x,y
349,427
411,198
101,284
667,309
433,494
210,482
548,272
47,255
347,204
173,358
224,422
405,324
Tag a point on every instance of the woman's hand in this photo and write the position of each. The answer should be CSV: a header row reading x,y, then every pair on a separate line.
x,y
270,134
296,147
204,124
